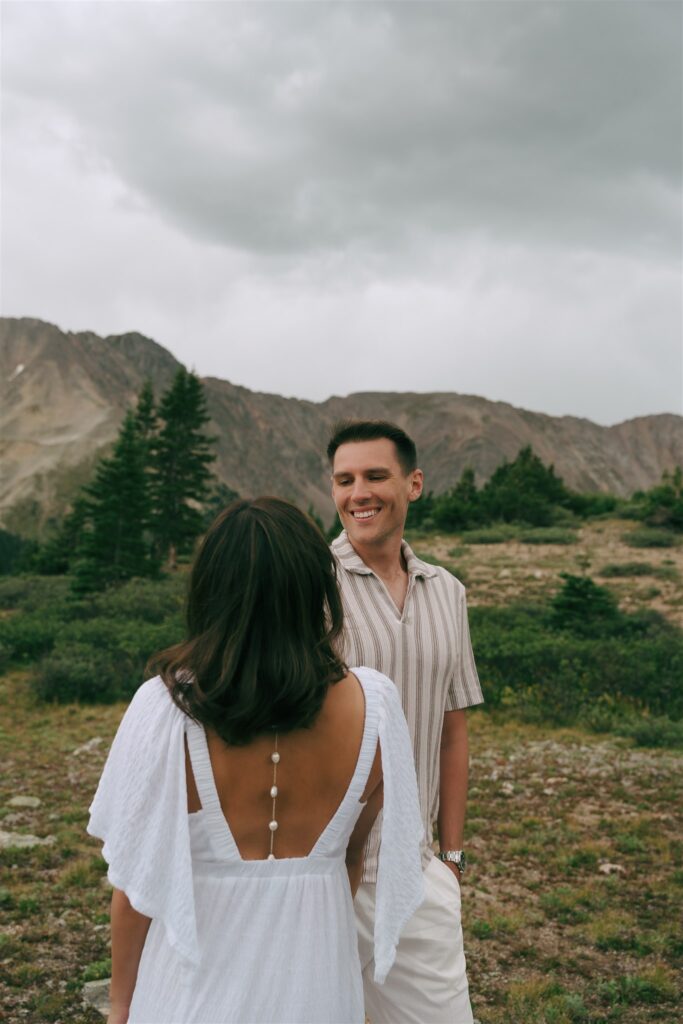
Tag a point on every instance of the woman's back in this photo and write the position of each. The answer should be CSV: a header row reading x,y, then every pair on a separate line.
x,y
314,771
291,919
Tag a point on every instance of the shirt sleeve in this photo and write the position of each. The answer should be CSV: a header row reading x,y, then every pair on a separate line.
x,y
140,812
464,689
400,883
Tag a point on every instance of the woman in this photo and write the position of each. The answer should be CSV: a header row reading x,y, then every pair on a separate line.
x,y
240,790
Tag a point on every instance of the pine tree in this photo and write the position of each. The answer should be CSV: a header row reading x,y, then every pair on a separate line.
x,y
55,556
181,457
113,544
146,422
524,491
459,508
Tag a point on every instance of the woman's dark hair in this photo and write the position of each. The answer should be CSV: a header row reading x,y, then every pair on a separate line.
x,y
263,616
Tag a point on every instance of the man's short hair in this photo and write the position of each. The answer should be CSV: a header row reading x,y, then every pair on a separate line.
x,y
374,430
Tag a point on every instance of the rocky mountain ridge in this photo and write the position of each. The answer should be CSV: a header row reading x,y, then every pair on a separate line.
x,y
63,396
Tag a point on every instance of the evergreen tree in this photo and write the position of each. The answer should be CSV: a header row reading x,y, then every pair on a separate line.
x,y
663,505
113,544
146,422
524,491
420,512
219,498
181,457
460,507
585,608
55,556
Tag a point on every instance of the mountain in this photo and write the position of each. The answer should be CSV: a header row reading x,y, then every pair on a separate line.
x,y
63,396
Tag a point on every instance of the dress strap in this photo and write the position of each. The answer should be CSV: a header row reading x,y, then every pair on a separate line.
x,y
222,839
347,813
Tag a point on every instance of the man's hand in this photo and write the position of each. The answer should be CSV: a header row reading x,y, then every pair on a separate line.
x,y
453,868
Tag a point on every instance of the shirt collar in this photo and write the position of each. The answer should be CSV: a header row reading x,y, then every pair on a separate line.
x,y
351,560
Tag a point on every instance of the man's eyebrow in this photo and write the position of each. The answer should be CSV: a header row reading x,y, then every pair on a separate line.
x,y
350,472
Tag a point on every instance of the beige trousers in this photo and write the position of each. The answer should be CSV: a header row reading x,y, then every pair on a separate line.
x,y
428,982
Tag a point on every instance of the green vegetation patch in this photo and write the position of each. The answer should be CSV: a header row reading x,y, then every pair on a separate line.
x,y
548,535
92,649
650,538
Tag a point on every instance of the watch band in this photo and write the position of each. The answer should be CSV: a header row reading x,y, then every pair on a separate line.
x,y
456,857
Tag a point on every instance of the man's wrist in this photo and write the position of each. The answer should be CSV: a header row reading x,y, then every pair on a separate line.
x,y
455,858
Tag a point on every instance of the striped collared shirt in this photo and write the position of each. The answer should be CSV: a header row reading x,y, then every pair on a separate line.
x,y
426,651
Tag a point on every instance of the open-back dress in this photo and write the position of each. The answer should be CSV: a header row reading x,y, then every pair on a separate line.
x,y
250,941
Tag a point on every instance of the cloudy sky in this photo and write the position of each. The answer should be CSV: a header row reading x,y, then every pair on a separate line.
x,y
315,198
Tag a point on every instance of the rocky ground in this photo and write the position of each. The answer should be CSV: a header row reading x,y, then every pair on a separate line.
x,y
497,574
572,907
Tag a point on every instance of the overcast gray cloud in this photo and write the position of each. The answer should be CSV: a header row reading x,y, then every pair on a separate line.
x,y
315,198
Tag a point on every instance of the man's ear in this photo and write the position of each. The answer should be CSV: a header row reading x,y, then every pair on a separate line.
x,y
416,485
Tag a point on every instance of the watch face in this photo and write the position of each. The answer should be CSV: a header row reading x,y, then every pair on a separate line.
x,y
462,861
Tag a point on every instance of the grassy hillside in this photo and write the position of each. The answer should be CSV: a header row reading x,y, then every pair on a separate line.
x,y
574,901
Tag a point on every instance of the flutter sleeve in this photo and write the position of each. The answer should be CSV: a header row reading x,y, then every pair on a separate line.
x,y
140,812
400,884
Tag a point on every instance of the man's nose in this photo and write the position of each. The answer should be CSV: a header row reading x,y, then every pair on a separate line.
x,y
360,491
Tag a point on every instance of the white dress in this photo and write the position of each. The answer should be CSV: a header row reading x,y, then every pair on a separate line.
x,y
258,941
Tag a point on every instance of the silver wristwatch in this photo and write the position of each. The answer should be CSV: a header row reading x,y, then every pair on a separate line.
x,y
456,857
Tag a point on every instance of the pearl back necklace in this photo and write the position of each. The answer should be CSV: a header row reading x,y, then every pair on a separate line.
x,y
275,758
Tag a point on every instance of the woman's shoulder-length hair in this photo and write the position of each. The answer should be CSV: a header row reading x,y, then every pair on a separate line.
x,y
264,616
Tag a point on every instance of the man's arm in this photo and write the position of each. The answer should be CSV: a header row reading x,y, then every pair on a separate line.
x,y
373,798
453,786
128,933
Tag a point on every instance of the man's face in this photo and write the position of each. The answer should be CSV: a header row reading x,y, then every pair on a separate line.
x,y
371,491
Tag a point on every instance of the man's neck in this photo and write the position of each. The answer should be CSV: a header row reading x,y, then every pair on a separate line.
x,y
386,559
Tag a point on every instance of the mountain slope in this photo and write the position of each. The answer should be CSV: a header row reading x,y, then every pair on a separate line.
x,y
63,396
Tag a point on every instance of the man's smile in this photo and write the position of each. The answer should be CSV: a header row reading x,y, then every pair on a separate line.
x,y
364,513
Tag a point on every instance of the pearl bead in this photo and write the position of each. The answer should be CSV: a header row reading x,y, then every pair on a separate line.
x,y
273,791
273,826
275,757
271,856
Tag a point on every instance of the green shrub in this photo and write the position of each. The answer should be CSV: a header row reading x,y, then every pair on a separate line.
x,y
584,607
32,593
548,535
655,731
27,637
90,650
77,672
491,534
656,985
627,569
547,674
650,538
102,661
97,971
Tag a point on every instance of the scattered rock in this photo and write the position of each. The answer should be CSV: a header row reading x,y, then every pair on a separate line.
x,y
507,788
504,573
14,819
96,994
611,869
17,840
86,748
24,801
549,792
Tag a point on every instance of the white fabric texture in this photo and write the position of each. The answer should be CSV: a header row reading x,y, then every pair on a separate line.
x,y
140,811
250,941
428,981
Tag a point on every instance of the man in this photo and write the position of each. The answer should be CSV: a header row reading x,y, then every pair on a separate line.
x,y
408,619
